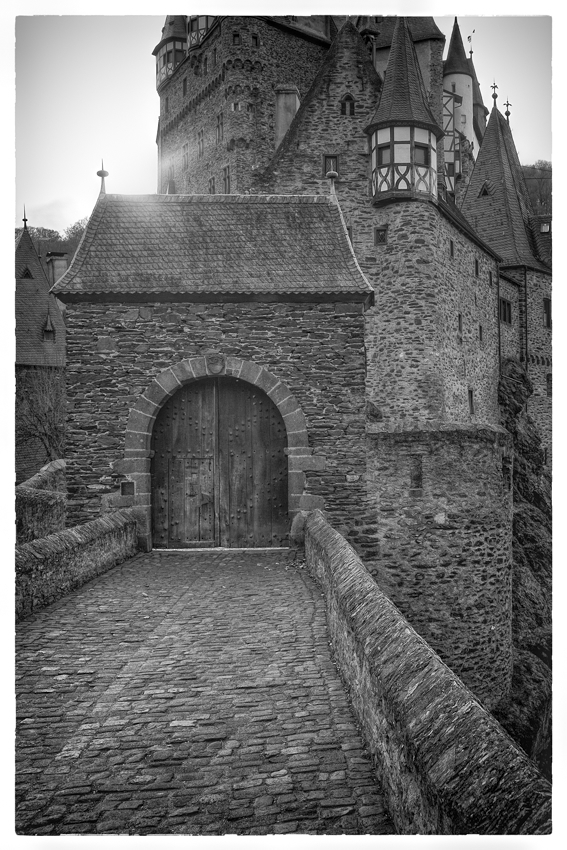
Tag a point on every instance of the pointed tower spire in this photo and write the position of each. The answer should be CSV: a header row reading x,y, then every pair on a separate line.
x,y
25,219
456,62
102,174
403,99
403,131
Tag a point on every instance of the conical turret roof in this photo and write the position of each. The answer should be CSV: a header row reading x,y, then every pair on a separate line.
x,y
175,26
497,203
456,61
403,98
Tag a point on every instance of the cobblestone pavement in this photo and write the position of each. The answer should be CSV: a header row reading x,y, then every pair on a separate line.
x,y
189,693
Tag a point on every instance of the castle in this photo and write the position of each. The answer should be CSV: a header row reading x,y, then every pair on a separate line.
x,y
313,312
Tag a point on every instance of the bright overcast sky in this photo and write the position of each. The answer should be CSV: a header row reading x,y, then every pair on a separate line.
x,y
85,90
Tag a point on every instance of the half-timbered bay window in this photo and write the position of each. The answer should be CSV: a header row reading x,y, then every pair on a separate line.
x,y
404,161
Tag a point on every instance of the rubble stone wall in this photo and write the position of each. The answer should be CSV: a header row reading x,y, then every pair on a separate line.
x,y
445,764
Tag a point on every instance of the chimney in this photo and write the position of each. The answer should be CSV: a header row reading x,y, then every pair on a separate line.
x,y
56,266
287,104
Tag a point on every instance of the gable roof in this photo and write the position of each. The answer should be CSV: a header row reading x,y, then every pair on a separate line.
x,y
403,99
421,29
501,218
36,309
348,46
220,246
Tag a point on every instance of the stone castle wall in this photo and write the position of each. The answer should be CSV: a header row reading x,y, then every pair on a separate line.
x,y
316,349
539,364
510,333
244,75
444,507
446,766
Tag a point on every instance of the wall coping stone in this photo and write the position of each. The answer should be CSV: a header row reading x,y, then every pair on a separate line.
x,y
459,772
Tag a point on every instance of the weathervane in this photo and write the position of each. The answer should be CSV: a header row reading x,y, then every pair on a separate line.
x,y
102,174
507,113
25,219
469,39
494,95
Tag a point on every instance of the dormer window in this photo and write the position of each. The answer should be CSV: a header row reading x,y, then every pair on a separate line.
x,y
545,227
347,105
48,330
26,274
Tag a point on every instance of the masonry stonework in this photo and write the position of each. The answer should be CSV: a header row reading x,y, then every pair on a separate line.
x,y
316,349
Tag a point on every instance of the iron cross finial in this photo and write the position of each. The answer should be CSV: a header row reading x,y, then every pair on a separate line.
x,y
494,95
507,113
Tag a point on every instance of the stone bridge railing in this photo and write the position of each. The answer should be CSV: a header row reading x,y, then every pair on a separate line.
x,y
41,503
50,567
446,765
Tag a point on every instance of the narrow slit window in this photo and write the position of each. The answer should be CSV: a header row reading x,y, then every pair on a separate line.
x,y
451,248
476,268
471,402
505,311
548,381
416,472
547,312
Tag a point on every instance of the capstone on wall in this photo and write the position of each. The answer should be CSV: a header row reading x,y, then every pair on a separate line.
x,y
239,81
444,515
317,349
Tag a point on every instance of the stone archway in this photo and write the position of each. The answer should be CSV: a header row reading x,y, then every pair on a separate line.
x,y
137,445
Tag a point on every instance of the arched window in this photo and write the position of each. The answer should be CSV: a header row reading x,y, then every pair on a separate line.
x,y
347,105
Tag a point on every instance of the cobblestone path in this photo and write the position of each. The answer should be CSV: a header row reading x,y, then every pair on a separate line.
x,y
189,693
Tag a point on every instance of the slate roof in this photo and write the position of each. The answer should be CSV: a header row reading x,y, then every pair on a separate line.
x,y
215,245
403,99
421,29
456,61
174,27
34,308
501,217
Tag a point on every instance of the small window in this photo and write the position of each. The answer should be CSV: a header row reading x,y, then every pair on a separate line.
x,y
476,268
48,335
236,38
545,227
416,472
235,106
460,322
185,156
211,185
200,143
547,312
347,105
381,235
255,40
383,155
453,87
330,163
505,311
127,488
451,248
184,86
421,155
548,384
220,128
471,402
490,278
480,336
226,180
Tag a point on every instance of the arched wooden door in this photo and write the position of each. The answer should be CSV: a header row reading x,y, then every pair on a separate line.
x,y
219,471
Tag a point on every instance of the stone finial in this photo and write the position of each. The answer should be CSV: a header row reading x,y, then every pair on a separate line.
x,y
332,176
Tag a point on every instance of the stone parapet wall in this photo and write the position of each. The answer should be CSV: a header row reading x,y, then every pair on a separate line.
x,y
41,503
444,516
50,567
446,766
